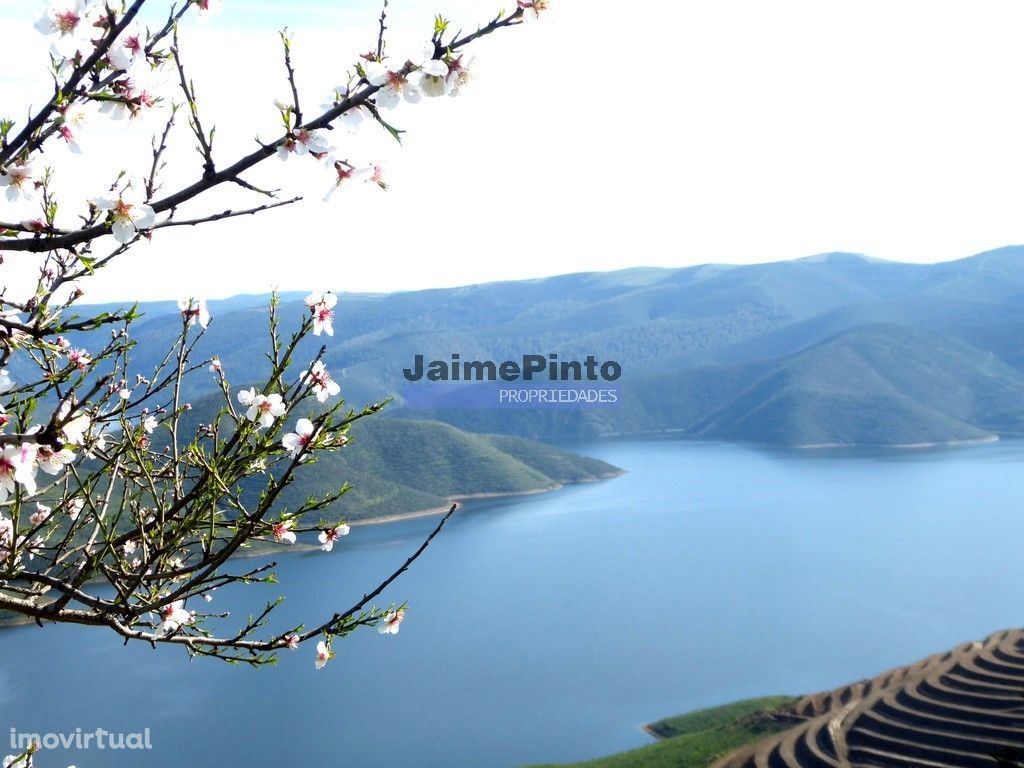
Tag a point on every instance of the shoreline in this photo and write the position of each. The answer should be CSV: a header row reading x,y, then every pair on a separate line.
x,y
903,446
680,433
458,499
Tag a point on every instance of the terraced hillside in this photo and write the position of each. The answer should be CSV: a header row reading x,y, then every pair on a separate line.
x,y
961,708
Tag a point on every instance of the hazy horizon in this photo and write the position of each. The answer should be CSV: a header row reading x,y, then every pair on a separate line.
x,y
878,129
341,290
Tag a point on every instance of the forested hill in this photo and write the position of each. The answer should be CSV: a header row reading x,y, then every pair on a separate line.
x,y
831,349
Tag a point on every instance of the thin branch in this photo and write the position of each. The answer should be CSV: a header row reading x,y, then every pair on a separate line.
x,y
340,618
226,215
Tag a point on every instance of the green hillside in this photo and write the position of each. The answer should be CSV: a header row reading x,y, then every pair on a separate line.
x,y
398,466
697,739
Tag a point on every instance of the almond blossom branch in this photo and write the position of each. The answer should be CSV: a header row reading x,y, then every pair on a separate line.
x,y
24,140
233,172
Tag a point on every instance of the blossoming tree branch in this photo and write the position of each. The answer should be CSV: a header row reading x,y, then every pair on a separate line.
x,y
118,509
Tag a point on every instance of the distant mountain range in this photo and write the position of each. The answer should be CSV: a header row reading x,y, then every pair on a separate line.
x,y
835,349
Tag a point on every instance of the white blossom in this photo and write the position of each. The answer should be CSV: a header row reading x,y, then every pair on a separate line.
x,y
129,50
296,442
72,22
330,535
195,310
322,307
302,142
323,386
17,466
262,408
532,9
323,654
41,515
433,76
282,531
393,85
75,507
353,117
72,118
17,179
391,622
130,215
174,617
51,461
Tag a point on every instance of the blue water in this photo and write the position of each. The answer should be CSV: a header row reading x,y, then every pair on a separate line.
x,y
551,627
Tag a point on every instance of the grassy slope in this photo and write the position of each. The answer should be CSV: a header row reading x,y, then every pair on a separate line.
x,y
697,739
398,466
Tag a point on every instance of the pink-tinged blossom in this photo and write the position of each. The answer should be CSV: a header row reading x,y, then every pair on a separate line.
x,y
343,175
302,142
298,441
17,179
41,515
322,307
6,532
215,365
208,7
262,409
130,101
323,654
391,622
459,72
394,86
377,177
330,535
174,617
130,215
52,461
291,642
282,532
532,9
323,386
80,358
72,22
17,466
72,120
194,311
129,50
75,507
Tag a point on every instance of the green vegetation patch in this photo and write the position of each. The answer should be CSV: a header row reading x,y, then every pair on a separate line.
x,y
697,739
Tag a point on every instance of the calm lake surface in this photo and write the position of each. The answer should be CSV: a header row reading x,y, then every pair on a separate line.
x,y
552,627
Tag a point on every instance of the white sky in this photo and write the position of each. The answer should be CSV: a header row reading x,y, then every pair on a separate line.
x,y
609,135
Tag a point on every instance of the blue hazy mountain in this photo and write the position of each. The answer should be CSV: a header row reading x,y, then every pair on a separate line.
x,y
832,349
